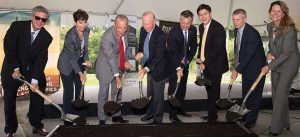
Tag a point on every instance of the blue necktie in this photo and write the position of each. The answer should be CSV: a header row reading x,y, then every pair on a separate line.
x,y
185,48
146,49
32,38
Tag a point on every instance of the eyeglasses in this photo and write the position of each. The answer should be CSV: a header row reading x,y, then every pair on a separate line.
x,y
39,18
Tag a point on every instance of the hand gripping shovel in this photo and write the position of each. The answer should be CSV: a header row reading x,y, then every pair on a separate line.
x,y
112,107
65,117
236,112
172,99
143,101
226,103
80,102
201,80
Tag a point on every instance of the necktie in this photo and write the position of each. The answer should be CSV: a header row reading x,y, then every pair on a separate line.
x,y
185,48
202,57
146,49
237,48
122,59
32,38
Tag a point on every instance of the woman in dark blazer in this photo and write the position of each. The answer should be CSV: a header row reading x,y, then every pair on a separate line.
x,y
284,59
71,59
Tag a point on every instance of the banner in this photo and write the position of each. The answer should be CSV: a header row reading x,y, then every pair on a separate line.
x,y
166,26
53,27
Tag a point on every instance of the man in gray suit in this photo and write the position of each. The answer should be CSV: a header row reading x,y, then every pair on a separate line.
x,y
111,64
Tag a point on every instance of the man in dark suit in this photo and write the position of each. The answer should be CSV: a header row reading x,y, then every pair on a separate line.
x,y
182,46
26,53
249,60
152,53
212,57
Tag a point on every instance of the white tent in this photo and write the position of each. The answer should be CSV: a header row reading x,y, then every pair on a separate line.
x,y
168,10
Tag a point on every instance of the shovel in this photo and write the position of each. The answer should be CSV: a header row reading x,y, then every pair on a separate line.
x,y
80,102
226,103
112,107
172,99
65,117
143,101
236,112
202,80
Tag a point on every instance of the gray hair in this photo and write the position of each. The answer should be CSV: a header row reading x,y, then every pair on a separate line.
x,y
121,17
240,12
149,13
40,9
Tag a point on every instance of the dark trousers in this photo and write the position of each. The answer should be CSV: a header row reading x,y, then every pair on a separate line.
x,y
213,94
35,107
254,101
155,90
70,83
180,94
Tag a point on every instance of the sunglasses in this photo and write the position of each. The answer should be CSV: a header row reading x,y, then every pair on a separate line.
x,y
39,18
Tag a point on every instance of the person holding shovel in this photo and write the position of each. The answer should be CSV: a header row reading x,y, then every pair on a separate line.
x,y
249,58
152,53
284,59
111,64
70,62
26,46
212,57
182,47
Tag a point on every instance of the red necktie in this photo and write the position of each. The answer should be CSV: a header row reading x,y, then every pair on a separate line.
x,y
122,60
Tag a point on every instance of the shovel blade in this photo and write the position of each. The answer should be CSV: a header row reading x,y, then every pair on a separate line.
x,y
224,103
140,103
111,107
174,102
79,103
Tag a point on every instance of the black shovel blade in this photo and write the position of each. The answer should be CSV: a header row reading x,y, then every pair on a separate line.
x,y
202,81
224,103
140,103
232,116
111,107
174,102
79,103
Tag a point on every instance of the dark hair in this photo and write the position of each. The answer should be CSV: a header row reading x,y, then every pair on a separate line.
x,y
187,14
80,15
203,6
240,11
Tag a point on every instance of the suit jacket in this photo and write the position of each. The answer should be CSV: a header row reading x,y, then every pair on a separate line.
x,y
108,59
157,62
216,61
175,46
251,55
71,51
284,49
19,53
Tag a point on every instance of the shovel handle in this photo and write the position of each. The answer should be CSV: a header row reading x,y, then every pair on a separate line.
x,y
257,81
139,76
252,88
37,91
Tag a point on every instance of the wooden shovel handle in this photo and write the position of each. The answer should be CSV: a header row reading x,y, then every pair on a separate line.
x,y
257,81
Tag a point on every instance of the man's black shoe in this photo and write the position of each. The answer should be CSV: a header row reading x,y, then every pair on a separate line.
x,y
119,119
183,113
174,119
147,117
101,122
